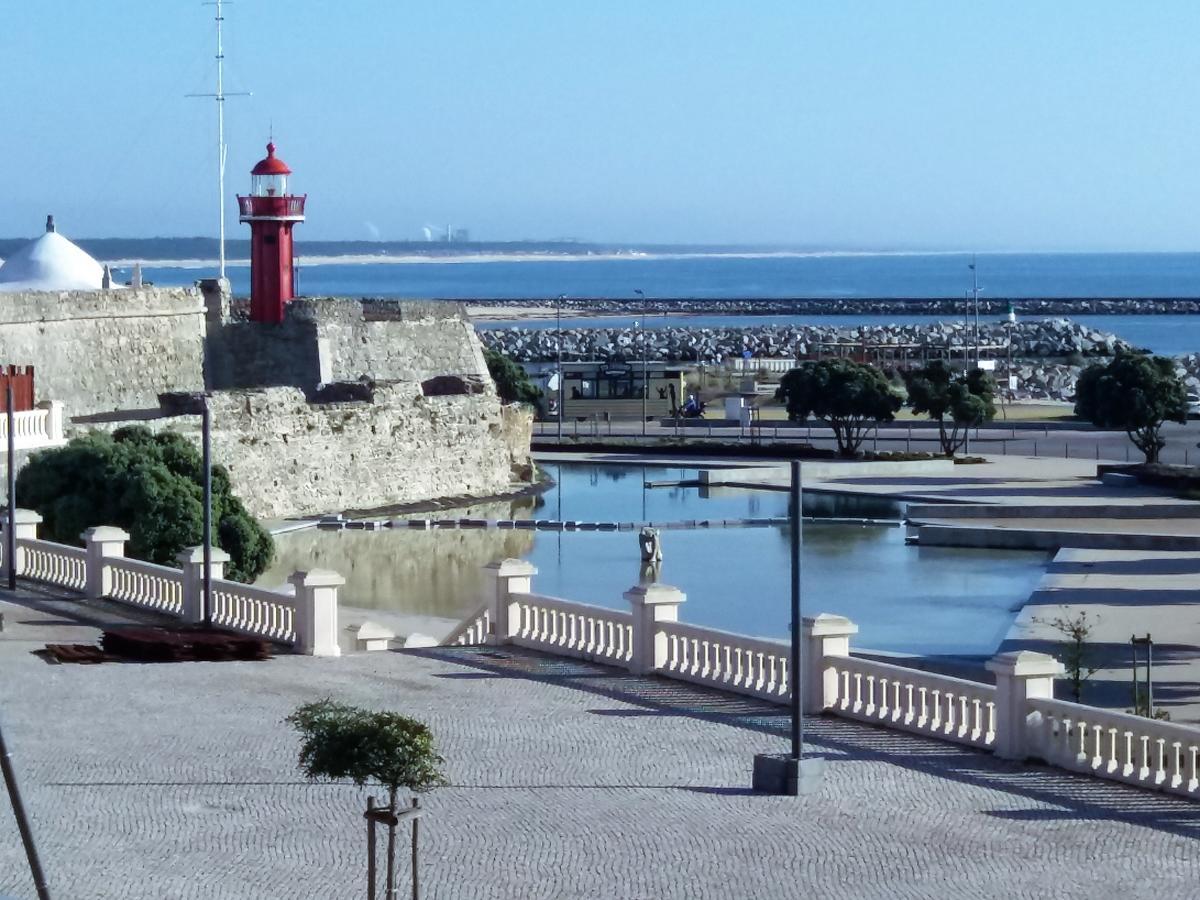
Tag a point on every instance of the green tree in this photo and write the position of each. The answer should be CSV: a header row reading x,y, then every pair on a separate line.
x,y
850,397
348,742
1136,393
512,382
965,400
1076,650
152,485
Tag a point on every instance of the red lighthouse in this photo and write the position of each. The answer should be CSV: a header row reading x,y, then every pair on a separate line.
x,y
271,212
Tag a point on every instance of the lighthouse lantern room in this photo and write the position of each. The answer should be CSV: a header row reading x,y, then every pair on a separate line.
x,y
271,212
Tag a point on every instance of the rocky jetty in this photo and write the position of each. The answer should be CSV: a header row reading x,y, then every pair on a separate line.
x,y
1031,339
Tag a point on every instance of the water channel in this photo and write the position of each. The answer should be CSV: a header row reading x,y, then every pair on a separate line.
x,y
905,599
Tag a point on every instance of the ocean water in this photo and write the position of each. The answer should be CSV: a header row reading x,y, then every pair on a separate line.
x,y
1009,275
1015,275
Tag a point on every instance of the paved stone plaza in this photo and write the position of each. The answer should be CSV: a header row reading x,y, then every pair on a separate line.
x,y
149,782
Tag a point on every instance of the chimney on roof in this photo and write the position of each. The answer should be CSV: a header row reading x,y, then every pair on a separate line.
x,y
50,223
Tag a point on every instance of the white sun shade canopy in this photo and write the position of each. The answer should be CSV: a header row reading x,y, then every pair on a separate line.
x,y
50,263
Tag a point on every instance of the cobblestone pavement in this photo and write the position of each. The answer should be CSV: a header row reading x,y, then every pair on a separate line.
x,y
569,780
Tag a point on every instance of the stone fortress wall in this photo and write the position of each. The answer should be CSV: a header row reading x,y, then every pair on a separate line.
x,y
289,448
333,339
287,456
98,351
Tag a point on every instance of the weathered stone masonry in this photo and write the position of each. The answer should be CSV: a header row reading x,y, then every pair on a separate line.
x,y
287,456
118,350
97,351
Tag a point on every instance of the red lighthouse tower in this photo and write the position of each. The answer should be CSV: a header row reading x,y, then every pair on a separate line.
x,y
271,212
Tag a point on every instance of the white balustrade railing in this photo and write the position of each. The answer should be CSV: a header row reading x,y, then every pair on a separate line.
x,y
474,629
52,563
731,662
147,585
253,610
1120,746
34,428
570,629
911,700
307,619
1017,718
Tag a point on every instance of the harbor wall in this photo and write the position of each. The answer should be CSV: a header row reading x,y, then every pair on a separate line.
x,y
97,351
287,456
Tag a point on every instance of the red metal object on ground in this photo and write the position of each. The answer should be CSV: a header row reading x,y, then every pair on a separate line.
x,y
271,213
21,378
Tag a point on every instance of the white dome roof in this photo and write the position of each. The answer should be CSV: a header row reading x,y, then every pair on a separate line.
x,y
50,263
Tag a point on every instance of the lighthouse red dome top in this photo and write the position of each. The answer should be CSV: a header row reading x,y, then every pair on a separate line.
x,y
271,165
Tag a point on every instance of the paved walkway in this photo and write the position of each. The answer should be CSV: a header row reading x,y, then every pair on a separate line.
x,y
568,780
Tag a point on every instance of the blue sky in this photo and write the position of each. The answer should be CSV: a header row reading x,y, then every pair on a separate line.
x,y
849,124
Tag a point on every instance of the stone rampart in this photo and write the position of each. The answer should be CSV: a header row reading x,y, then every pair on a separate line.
x,y
288,457
103,350
331,339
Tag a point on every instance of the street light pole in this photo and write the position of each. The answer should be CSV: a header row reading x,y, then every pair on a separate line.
x,y
645,381
797,623
975,295
206,448
10,543
558,316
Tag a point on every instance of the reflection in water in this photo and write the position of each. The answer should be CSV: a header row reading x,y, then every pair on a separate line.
x,y
436,573
905,599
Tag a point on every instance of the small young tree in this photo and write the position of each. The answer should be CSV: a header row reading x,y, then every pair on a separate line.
x,y
512,382
940,392
1076,652
1134,392
348,742
850,397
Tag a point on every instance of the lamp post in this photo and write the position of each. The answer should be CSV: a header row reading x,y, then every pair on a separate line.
x,y
975,295
793,774
559,371
1012,320
10,543
645,381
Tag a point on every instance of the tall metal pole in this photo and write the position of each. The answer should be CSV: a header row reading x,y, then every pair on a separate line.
x,y
14,797
220,144
975,294
10,537
558,316
797,667
206,444
645,382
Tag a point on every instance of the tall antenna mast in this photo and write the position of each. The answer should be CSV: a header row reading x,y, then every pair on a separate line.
x,y
220,96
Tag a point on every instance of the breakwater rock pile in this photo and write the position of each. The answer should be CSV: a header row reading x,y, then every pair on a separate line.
x,y
1031,339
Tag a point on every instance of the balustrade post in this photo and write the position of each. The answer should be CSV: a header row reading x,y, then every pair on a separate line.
x,y
826,637
1021,676
104,542
25,527
651,604
54,420
510,576
316,616
191,561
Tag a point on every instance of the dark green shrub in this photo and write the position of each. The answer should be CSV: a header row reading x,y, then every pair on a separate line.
x,y
149,484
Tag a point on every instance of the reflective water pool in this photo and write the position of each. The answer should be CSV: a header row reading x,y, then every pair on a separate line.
x,y
905,599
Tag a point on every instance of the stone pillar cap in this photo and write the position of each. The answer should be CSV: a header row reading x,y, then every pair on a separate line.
x,y
828,624
655,593
1024,664
26,516
316,578
509,568
104,533
196,555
